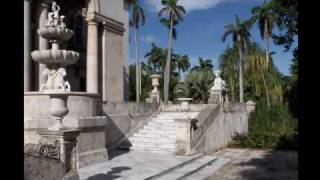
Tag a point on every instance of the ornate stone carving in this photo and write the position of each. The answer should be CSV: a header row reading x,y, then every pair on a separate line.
x,y
53,17
50,150
218,91
44,150
55,80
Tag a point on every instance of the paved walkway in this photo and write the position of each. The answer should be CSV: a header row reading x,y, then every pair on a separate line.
x,y
131,166
248,164
231,164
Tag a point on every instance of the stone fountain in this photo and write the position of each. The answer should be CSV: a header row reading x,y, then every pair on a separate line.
x,y
56,61
57,112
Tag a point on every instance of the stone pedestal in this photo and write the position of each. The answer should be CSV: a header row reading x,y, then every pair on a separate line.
x,y
68,150
84,112
183,141
215,96
55,145
184,106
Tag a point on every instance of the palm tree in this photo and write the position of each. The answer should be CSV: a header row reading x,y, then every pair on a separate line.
x,y
240,36
183,63
155,57
196,85
203,65
138,18
173,12
166,23
229,68
266,20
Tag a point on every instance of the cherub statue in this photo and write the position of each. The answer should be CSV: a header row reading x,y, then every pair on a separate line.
x,y
55,79
53,17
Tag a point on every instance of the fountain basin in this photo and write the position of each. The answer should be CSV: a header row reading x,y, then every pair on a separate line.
x,y
80,104
61,57
55,33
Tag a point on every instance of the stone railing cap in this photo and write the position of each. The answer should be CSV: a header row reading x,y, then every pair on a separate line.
x,y
185,99
250,102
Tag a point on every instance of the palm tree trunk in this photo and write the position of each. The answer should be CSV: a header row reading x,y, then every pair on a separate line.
x,y
137,64
266,42
240,73
167,68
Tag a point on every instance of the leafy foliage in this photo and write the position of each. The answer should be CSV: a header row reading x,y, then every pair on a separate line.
x,y
196,85
273,128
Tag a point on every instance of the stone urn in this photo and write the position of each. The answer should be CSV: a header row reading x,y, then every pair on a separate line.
x,y
58,109
155,82
185,106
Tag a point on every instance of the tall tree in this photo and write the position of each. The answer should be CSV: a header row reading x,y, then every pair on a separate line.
x,y
228,61
204,64
240,36
156,56
287,21
138,18
173,12
266,20
183,63
166,23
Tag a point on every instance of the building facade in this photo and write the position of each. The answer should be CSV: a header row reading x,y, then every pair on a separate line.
x,y
101,37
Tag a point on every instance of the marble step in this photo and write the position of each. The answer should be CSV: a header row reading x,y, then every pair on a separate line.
x,y
155,150
189,169
157,131
173,137
161,128
152,139
153,145
162,123
168,121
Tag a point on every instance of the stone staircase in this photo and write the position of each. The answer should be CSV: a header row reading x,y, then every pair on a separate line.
x,y
159,134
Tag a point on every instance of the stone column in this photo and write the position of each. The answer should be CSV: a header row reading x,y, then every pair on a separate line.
x,y
105,64
43,43
92,57
27,45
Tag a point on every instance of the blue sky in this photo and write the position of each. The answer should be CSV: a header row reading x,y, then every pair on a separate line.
x,y
199,35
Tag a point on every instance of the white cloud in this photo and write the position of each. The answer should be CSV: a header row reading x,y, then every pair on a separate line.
x,y
148,39
191,5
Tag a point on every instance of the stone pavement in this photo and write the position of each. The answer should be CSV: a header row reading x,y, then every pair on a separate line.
x,y
230,164
134,165
248,164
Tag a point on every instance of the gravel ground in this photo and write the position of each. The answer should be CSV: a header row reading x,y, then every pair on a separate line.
x,y
248,164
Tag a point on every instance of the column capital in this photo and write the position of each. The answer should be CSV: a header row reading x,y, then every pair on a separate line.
x,y
92,22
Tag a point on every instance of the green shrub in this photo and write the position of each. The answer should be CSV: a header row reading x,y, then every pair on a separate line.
x,y
271,128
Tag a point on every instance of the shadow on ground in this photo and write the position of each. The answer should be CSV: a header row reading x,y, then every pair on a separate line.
x,y
110,174
273,165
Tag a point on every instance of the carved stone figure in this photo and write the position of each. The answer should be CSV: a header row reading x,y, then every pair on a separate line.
x,y
218,91
218,83
53,17
55,79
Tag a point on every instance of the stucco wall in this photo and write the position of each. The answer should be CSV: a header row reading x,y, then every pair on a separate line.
x,y
223,127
